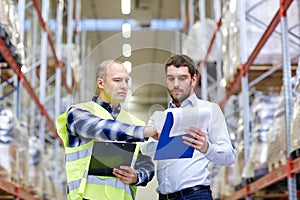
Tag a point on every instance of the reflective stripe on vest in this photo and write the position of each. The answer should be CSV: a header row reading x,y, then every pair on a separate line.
x,y
73,185
78,155
78,158
110,182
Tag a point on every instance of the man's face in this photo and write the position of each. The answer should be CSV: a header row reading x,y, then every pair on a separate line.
x,y
179,83
114,85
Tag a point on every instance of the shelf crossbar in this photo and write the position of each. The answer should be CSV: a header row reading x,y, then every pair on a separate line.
x,y
58,62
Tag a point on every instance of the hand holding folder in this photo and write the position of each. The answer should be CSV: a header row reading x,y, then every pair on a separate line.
x,y
177,120
171,147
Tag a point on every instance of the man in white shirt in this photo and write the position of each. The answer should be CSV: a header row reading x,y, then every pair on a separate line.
x,y
189,178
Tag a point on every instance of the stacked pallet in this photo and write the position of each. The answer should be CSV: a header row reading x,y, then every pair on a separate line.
x,y
277,135
14,149
295,133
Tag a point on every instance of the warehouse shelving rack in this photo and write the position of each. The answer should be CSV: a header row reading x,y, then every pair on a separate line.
x,y
13,190
278,174
5,52
196,10
240,84
241,78
46,126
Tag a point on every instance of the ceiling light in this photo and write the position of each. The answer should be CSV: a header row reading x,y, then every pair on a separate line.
x,y
128,66
24,69
224,48
126,30
125,7
225,32
233,6
223,83
234,59
126,50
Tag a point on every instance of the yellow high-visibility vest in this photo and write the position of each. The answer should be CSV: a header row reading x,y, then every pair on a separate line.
x,y
80,184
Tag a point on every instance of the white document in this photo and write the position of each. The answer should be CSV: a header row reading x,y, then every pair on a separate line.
x,y
184,118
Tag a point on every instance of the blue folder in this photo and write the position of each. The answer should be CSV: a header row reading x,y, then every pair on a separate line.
x,y
171,147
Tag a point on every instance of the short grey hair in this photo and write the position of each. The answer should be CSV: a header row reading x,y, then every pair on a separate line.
x,y
101,70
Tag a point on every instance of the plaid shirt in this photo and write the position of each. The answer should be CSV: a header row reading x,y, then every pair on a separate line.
x,y
83,126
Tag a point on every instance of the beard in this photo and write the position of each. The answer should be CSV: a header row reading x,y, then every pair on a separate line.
x,y
178,99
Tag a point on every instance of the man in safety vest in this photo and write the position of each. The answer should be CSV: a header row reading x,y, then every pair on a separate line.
x,y
103,119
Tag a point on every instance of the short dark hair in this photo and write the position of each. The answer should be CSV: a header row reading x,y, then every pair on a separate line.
x,y
182,60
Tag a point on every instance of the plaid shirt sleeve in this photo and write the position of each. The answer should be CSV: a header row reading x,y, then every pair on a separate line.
x,y
86,125
144,167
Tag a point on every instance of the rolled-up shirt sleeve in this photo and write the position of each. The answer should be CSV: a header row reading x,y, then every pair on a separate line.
x,y
145,169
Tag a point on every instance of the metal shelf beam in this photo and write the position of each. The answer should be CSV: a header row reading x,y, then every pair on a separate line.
x,y
58,62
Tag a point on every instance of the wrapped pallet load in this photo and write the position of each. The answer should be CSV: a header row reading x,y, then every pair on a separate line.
x,y
295,133
277,133
22,144
14,148
4,20
9,30
276,138
49,173
239,159
263,109
6,137
35,166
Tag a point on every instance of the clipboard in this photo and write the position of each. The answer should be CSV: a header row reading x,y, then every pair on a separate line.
x,y
171,147
109,155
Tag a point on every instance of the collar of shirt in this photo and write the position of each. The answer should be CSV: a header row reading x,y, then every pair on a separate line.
x,y
192,100
107,106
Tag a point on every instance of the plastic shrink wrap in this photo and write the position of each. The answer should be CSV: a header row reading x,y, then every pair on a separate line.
x,y
13,148
35,165
263,111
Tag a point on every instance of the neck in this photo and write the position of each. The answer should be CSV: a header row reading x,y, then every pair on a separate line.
x,y
113,104
176,103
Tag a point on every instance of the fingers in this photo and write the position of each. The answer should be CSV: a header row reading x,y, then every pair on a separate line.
x,y
153,132
196,139
194,132
126,174
157,132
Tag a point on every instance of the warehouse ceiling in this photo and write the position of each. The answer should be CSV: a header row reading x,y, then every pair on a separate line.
x,y
156,26
150,47
142,12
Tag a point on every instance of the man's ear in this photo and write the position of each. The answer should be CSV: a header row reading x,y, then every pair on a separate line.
x,y
194,80
100,82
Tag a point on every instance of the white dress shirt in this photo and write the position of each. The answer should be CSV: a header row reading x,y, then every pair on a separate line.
x,y
176,174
